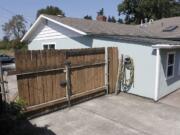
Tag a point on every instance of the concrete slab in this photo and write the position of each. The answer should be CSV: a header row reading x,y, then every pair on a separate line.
x,y
114,115
12,86
173,99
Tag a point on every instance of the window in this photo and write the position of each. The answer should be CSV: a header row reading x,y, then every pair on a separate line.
x,y
179,67
170,65
48,46
45,47
52,46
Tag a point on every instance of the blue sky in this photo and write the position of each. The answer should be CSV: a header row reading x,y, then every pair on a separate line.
x,y
72,8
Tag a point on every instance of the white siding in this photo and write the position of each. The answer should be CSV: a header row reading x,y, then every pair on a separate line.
x,y
48,33
144,62
62,43
51,30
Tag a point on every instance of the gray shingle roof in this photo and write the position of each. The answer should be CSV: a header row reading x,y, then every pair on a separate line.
x,y
140,40
98,27
154,30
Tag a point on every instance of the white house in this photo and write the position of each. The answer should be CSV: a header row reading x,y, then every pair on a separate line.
x,y
154,47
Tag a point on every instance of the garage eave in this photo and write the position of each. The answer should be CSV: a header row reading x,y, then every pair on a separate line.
x,y
165,46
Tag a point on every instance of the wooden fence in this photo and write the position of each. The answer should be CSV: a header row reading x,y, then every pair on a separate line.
x,y
47,78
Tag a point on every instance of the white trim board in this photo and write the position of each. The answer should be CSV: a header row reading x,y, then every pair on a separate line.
x,y
54,21
167,58
165,46
158,59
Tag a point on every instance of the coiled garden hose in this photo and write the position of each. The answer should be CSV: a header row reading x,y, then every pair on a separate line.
x,y
126,83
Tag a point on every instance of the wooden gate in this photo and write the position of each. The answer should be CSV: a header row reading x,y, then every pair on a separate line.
x,y
49,78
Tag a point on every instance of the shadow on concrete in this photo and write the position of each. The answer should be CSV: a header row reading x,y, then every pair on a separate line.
x,y
13,122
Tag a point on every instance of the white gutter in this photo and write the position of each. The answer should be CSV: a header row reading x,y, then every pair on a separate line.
x,y
165,46
158,58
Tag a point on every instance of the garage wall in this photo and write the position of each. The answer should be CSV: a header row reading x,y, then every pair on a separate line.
x,y
144,61
168,85
62,43
143,56
50,33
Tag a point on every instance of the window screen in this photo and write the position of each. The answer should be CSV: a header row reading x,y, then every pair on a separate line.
x,y
170,65
45,47
48,46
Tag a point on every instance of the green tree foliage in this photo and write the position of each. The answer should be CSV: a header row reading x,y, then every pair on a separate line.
x,y
136,10
120,21
112,19
176,8
50,10
15,28
101,12
13,44
88,17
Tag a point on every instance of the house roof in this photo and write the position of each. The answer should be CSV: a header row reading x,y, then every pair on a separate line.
x,y
151,32
99,27
141,40
168,28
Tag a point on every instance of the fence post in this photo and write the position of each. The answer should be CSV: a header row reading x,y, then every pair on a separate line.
x,y
68,82
3,91
106,70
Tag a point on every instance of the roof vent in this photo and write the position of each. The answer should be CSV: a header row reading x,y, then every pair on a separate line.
x,y
170,28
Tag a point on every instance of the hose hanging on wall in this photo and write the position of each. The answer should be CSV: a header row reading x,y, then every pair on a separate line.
x,y
127,67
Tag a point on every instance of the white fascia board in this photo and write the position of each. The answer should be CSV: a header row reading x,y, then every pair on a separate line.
x,y
165,46
31,28
61,24
66,26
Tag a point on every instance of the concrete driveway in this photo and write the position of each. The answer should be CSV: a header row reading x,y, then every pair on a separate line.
x,y
114,115
173,99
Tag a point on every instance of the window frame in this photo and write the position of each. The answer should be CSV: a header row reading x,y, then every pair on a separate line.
x,y
169,65
179,67
48,44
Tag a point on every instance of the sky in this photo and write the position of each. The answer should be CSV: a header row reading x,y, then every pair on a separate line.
x,y
72,8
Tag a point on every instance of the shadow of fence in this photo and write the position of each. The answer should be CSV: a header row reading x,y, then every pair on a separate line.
x,y
13,122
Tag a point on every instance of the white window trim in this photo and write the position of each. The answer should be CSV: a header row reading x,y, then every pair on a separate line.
x,y
167,58
49,43
179,67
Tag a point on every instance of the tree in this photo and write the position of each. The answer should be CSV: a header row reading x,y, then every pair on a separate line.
x,y
88,17
15,28
120,20
176,8
101,12
111,19
136,10
50,10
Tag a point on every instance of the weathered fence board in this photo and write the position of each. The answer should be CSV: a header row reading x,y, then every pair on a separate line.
x,y
40,74
113,67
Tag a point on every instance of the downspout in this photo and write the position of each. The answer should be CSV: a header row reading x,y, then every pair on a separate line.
x,y
158,58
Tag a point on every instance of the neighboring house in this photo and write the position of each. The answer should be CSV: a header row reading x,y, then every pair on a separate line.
x,y
154,47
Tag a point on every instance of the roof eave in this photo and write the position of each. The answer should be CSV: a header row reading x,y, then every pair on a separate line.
x,y
54,21
165,46
31,28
